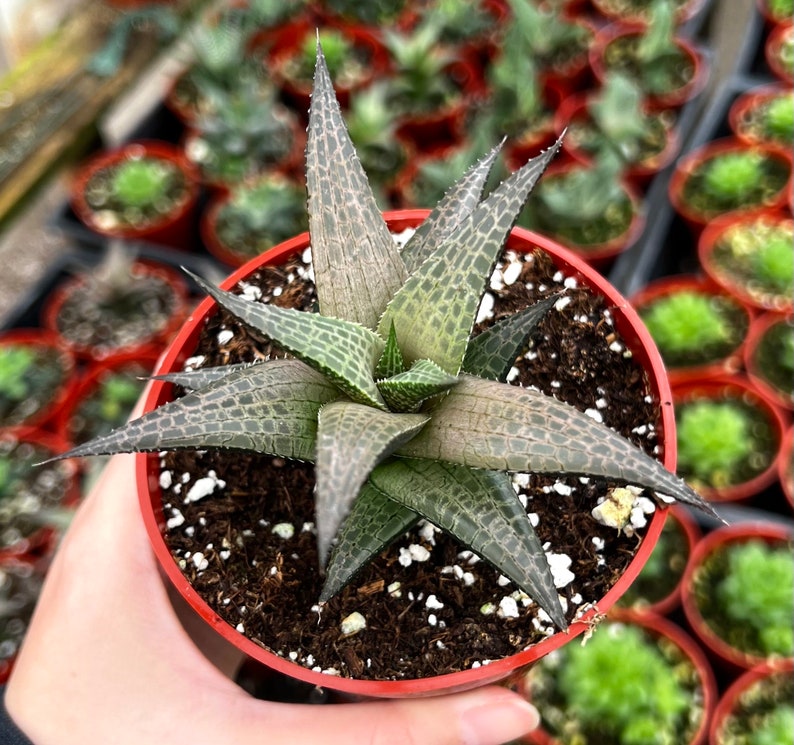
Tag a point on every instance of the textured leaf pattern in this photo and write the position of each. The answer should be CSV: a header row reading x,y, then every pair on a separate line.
x,y
406,391
351,440
391,361
195,379
265,408
492,353
357,265
484,424
374,522
344,352
457,204
483,512
434,311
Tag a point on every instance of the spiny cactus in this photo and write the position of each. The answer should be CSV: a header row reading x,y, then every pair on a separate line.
x,y
387,392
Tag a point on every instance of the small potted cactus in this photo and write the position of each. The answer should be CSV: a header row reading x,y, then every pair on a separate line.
x,y
143,190
779,52
752,257
757,708
764,114
727,175
638,680
738,594
699,329
729,438
775,11
378,454
769,357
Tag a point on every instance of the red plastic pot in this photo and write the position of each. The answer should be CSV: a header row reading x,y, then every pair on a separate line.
x,y
710,238
41,541
758,329
740,688
660,628
740,112
50,313
674,99
150,496
577,74
697,220
667,286
727,657
685,12
50,344
739,388
576,108
786,467
174,229
781,34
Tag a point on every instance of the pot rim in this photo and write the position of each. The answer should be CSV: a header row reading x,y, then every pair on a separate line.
x,y
635,336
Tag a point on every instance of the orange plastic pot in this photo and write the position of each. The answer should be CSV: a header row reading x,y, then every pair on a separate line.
x,y
740,112
150,494
760,326
739,388
780,35
727,657
786,466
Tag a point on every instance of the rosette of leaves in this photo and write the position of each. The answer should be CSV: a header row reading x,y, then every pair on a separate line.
x,y
460,22
29,377
402,412
260,214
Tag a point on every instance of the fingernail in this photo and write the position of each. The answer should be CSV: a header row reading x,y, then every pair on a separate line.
x,y
504,717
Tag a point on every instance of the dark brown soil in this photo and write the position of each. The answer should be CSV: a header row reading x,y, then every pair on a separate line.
x,y
270,585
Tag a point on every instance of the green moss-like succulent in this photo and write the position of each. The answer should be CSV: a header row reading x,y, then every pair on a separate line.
x,y
29,376
401,410
776,728
141,182
779,118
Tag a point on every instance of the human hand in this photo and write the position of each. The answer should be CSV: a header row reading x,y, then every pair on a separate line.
x,y
106,660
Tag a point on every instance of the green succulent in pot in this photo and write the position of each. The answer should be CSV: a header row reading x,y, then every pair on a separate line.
x,y
400,409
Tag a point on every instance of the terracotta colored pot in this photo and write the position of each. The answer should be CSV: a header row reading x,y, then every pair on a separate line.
x,y
696,219
780,34
50,344
786,468
758,329
740,112
660,628
674,99
41,540
576,109
743,687
174,229
50,314
727,657
685,12
739,388
711,237
664,287
151,499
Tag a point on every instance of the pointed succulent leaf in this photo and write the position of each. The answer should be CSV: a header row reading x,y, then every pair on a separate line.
x,y
484,424
407,390
345,352
193,380
481,510
434,311
269,409
391,361
492,353
357,264
351,440
457,204
374,522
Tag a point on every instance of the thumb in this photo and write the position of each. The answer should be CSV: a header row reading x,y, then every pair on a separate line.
x,y
487,716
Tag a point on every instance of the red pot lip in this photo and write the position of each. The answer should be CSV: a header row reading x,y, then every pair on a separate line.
x,y
741,386
635,335
769,532
672,99
685,12
714,230
104,158
773,40
42,541
659,626
747,100
746,680
665,286
46,338
56,299
787,484
577,106
695,157
758,327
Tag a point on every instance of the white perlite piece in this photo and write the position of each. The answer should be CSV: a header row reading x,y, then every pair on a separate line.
x,y
352,624
433,603
166,479
176,520
511,272
203,487
284,530
486,308
225,336
615,510
508,608
560,569
199,561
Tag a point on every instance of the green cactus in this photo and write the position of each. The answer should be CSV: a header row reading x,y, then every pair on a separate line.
x,y
388,370
779,118
141,183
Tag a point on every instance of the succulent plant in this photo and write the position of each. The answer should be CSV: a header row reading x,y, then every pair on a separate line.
x,y
29,376
386,392
779,117
141,183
